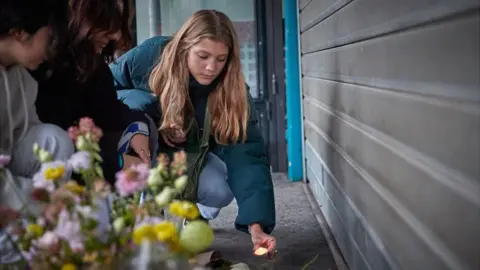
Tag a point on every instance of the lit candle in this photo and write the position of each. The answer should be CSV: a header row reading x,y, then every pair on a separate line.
x,y
260,251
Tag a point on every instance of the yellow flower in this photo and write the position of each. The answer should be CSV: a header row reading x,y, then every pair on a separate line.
x,y
184,209
54,173
35,229
74,187
69,266
166,231
143,232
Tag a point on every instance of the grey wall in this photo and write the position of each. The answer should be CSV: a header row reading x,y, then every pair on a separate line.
x,y
392,124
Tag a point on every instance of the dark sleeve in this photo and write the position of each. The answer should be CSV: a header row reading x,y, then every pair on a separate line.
x,y
109,113
249,178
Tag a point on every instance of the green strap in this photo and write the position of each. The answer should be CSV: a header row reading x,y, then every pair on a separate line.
x,y
206,130
190,192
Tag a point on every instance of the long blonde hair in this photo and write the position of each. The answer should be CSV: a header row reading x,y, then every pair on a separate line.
x,y
169,80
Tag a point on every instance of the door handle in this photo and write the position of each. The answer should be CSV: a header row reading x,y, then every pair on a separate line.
x,y
268,110
274,84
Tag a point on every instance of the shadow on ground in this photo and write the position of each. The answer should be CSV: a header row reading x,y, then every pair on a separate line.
x,y
299,237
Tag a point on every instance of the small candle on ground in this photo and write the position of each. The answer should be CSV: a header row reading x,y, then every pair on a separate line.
x,y
260,251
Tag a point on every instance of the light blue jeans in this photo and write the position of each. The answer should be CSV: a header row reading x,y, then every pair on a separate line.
x,y
213,190
49,137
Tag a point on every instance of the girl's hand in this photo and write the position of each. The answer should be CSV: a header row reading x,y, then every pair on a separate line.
x,y
172,137
141,146
129,160
262,243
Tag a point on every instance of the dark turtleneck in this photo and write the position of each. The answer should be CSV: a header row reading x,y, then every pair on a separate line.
x,y
199,96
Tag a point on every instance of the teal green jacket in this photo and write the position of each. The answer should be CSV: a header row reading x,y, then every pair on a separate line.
x,y
248,169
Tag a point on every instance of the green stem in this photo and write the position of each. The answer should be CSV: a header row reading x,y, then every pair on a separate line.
x,y
309,263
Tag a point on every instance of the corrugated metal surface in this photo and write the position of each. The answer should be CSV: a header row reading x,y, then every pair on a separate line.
x,y
392,124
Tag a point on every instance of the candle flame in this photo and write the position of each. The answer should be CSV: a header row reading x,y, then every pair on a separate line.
x,y
260,251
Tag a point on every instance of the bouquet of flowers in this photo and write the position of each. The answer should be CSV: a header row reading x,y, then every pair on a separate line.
x,y
88,226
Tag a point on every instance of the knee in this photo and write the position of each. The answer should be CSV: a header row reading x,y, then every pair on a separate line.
x,y
213,189
216,192
220,196
224,197
55,140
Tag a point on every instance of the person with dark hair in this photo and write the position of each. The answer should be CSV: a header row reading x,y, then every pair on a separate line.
x,y
124,44
78,83
25,39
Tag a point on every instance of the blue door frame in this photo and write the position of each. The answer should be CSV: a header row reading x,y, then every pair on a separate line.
x,y
294,133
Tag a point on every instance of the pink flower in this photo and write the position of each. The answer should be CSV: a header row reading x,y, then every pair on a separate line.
x,y
86,125
4,160
77,246
73,133
132,179
96,134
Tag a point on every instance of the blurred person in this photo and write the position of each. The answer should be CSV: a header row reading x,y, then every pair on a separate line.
x,y
25,40
77,83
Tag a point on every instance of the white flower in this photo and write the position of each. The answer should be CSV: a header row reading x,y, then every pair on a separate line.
x,y
148,220
154,177
47,240
239,266
76,246
119,224
165,196
86,211
40,178
181,183
81,160
39,181
41,221
69,229
36,148
81,143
